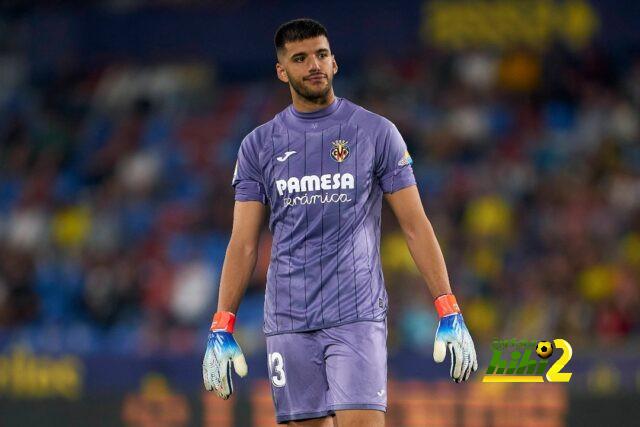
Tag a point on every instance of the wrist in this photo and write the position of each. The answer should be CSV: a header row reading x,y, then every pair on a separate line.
x,y
223,321
446,305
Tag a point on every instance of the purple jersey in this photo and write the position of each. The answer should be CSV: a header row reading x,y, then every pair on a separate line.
x,y
323,175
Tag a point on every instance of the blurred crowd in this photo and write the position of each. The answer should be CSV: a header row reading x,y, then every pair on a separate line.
x,y
529,166
116,204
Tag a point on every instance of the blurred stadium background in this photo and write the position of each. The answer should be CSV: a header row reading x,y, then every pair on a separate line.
x,y
119,125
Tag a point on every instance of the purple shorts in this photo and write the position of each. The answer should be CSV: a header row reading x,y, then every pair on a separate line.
x,y
313,374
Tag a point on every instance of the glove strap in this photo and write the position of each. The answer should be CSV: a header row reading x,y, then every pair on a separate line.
x,y
446,304
223,321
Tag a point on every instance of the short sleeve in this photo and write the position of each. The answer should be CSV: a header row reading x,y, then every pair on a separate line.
x,y
393,162
247,177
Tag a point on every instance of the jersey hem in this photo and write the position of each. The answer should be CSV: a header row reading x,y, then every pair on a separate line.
x,y
283,419
404,183
375,407
330,325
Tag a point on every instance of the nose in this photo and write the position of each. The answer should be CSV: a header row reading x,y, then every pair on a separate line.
x,y
314,64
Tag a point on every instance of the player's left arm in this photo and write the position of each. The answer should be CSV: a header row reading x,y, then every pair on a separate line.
x,y
426,253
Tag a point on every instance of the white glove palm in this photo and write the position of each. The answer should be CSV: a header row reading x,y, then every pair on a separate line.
x,y
452,333
222,352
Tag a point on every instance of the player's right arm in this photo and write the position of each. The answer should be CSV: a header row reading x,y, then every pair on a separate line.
x,y
239,263
242,253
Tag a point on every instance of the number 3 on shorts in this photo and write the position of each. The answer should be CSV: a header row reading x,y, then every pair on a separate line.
x,y
276,367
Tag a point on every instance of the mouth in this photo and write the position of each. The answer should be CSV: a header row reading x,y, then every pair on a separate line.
x,y
316,77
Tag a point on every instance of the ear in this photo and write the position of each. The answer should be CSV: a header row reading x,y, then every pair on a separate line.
x,y
281,73
335,64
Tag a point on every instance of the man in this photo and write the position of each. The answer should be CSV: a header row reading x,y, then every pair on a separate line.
x,y
322,165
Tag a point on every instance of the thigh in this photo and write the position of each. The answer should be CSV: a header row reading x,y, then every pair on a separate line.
x,y
356,366
297,377
315,422
360,418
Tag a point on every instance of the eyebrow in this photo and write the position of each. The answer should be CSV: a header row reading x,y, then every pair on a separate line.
x,y
321,50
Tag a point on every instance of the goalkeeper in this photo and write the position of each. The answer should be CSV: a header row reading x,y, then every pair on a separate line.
x,y
322,166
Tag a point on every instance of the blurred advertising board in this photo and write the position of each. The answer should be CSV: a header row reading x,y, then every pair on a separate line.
x,y
67,390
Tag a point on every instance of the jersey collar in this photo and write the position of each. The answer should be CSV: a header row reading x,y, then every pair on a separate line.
x,y
315,115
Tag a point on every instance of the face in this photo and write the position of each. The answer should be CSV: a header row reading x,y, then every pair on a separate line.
x,y
308,66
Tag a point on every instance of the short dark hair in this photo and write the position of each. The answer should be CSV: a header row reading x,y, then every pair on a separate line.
x,y
296,30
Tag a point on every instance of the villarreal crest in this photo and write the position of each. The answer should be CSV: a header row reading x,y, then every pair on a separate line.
x,y
339,151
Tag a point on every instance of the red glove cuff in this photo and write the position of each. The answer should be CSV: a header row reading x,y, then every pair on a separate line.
x,y
446,304
223,321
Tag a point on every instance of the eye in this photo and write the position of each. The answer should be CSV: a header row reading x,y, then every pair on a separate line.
x,y
298,59
323,55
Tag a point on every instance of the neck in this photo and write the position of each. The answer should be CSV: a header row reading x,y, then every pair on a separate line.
x,y
305,105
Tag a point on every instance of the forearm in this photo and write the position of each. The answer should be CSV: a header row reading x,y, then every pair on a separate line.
x,y
238,266
427,255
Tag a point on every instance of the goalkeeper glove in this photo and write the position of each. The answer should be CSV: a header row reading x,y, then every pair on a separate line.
x,y
222,351
453,333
